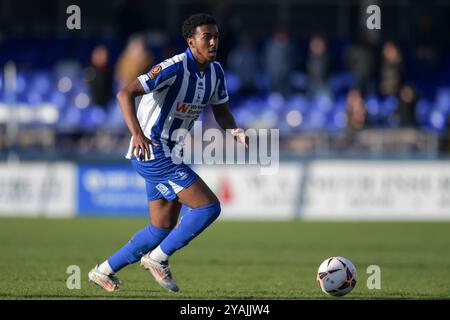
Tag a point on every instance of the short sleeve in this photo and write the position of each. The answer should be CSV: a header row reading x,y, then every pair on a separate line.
x,y
220,93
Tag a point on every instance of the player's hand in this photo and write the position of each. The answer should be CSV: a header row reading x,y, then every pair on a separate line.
x,y
240,136
141,147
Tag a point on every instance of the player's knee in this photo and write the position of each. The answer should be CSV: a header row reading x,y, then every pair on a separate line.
x,y
216,209
210,211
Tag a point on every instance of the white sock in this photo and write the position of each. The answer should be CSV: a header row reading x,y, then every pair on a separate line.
x,y
158,255
105,268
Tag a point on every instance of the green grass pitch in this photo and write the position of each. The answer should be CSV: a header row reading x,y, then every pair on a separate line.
x,y
230,260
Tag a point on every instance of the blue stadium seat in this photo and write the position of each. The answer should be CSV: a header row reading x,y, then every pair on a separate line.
x,y
59,99
70,119
339,121
322,103
315,121
437,121
33,98
233,82
93,117
299,81
387,106
443,99
341,82
340,103
22,80
41,82
297,102
423,109
274,101
114,120
41,63
373,105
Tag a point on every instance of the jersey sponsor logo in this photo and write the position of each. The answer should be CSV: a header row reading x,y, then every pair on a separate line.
x,y
162,188
182,107
154,72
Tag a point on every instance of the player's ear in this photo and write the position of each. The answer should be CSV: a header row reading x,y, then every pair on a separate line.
x,y
190,41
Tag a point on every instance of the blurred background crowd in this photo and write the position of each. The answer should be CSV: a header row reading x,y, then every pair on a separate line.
x,y
310,68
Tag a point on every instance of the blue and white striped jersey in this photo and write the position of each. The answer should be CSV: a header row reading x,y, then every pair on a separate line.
x,y
176,94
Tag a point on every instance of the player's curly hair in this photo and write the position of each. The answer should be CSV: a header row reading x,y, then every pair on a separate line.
x,y
194,21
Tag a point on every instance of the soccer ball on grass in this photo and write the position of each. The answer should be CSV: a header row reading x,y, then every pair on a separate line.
x,y
336,276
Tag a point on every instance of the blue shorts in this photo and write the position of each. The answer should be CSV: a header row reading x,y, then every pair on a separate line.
x,y
163,178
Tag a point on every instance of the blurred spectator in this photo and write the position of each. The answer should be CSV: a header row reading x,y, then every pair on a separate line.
x,y
100,77
317,64
134,61
356,111
361,62
243,61
405,114
49,76
391,72
278,61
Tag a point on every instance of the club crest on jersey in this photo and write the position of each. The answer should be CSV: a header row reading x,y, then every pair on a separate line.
x,y
182,107
154,72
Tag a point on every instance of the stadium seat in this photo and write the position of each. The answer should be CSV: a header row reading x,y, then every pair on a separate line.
x,y
42,64
443,99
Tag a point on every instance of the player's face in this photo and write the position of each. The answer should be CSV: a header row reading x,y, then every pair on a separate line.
x,y
204,43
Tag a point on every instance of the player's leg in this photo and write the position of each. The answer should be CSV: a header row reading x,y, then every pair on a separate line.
x,y
164,214
204,209
163,217
197,195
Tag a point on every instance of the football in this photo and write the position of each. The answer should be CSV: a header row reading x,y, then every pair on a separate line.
x,y
336,276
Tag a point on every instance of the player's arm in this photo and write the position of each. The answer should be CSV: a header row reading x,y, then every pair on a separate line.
x,y
225,120
126,96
